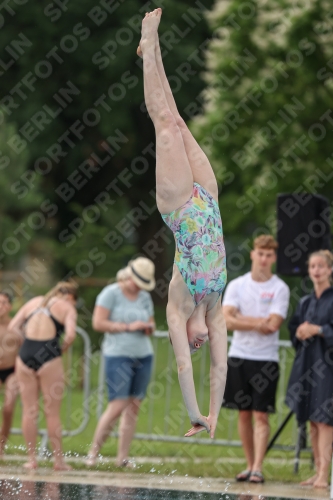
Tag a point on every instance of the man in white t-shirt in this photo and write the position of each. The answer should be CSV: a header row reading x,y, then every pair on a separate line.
x,y
254,307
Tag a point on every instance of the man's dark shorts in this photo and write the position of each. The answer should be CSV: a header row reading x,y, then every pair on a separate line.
x,y
251,385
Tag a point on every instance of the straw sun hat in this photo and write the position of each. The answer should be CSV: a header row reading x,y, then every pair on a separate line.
x,y
142,272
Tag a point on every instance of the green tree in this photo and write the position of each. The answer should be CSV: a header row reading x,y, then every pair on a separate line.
x,y
267,120
21,204
72,83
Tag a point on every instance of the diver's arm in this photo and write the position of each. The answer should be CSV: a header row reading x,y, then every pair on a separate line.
x,y
217,333
179,340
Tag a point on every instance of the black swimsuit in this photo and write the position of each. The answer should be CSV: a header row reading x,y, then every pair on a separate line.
x,y
4,374
35,353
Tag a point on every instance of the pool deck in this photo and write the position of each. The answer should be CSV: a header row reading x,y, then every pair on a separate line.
x,y
170,482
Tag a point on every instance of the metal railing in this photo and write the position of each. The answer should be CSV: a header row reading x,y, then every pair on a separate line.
x,y
75,370
164,402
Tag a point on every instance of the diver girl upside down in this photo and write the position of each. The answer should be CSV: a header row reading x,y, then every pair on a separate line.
x,y
187,198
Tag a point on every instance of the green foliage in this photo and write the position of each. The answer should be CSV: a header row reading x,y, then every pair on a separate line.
x,y
267,119
83,67
17,199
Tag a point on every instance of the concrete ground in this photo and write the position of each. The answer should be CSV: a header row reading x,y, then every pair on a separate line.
x,y
157,481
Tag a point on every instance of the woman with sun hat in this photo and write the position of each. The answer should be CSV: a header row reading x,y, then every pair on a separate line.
x,y
124,313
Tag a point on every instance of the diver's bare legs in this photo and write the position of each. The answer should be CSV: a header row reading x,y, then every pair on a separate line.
x,y
201,168
174,180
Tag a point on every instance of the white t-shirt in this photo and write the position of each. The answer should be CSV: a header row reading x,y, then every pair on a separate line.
x,y
256,299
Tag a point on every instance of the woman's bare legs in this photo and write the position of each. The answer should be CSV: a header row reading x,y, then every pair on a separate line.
x,y
321,441
128,409
127,426
52,383
105,426
28,383
174,179
325,439
314,444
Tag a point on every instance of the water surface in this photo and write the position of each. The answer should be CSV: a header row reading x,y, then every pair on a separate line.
x,y
28,490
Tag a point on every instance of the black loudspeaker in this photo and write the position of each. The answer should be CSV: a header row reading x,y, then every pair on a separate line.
x,y
304,226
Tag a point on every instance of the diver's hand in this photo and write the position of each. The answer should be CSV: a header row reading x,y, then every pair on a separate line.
x,y
212,420
199,424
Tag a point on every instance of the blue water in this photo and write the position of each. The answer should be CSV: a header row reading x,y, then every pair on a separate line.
x,y
26,490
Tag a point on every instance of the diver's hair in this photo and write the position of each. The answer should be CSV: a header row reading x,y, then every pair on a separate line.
x,y
265,241
7,295
327,255
61,288
123,274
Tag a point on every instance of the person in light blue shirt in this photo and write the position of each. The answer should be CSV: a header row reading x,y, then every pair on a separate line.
x,y
124,312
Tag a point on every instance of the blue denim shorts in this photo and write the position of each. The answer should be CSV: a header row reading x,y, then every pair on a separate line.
x,y
127,377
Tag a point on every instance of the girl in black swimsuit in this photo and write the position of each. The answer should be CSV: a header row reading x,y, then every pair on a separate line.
x,y
38,365
35,353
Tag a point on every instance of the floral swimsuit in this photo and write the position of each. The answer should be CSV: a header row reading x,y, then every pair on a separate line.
x,y
200,254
